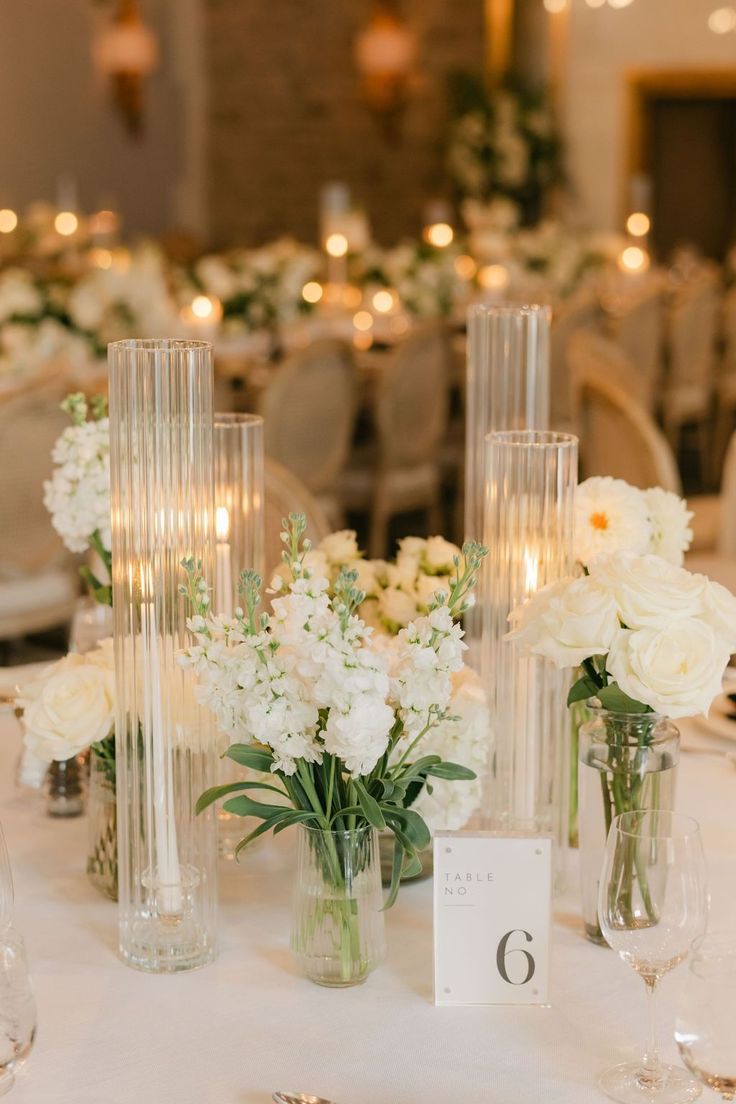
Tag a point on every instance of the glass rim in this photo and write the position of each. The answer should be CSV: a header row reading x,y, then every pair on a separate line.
x,y
619,822
510,310
358,830
595,705
549,439
235,420
159,344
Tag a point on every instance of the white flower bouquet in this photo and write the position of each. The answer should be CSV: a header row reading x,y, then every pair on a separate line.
x,y
314,698
396,593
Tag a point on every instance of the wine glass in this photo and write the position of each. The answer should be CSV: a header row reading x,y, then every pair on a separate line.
x,y
652,904
706,1024
17,1008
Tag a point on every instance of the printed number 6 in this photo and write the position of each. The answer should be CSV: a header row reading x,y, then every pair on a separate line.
x,y
502,954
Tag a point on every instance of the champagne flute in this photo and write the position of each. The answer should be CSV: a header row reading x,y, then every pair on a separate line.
x,y
706,1024
652,904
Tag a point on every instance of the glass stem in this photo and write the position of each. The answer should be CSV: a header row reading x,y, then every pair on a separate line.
x,y
651,1069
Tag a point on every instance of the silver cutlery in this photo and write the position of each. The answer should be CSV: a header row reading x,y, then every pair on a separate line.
x,y
299,1098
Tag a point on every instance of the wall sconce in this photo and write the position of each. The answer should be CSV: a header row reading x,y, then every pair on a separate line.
x,y
126,52
384,54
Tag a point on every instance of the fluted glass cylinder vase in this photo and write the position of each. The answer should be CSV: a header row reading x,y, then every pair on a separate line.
x,y
239,511
338,931
507,389
162,490
531,479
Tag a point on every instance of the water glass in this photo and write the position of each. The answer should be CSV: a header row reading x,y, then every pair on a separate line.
x,y
706,1024
17,1008
652,905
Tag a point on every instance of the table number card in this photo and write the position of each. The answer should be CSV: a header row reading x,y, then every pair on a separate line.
x,y
492,918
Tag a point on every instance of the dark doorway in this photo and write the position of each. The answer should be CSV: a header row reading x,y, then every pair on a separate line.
x,y
692,165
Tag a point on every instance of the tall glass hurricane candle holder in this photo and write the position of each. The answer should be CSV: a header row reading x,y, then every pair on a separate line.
x,y
239,512
507,389
162,489
531,478
239,504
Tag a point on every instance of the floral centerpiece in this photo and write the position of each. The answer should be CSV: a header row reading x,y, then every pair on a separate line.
x,y
69,708
503,144
338,720
396,593
650,641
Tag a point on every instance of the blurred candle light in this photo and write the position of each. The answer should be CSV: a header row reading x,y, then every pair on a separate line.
x,y
633,259
363,320
384,301
620,3
337,245
362,341
66,223
638,224
494,277
8,220
203,314
722,20
555,6
439,234
352,296
100,258
312,292
465,267
595,3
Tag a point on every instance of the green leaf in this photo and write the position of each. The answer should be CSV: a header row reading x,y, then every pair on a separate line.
x,y
583,689
411,824
369,805
261,830
250,755
396,868
295,817
612,697
216,792
245,806
452,772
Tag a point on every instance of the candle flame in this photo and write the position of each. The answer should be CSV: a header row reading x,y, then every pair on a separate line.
x,y
531,572
222,523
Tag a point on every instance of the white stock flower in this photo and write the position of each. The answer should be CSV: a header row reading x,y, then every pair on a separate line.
x,y
610,516
396,607
359,735
670,519
676,669
648,591
567,622
78,494
341,547
427,586
439,555
68,707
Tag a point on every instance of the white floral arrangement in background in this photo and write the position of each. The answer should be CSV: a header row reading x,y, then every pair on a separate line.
x,y
78,494
260,288
648,635
394,596
504,144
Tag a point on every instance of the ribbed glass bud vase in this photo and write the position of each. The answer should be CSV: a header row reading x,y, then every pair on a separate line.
x,y
162,490
239,510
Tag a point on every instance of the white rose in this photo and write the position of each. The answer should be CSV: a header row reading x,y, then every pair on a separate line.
x,y
340,547
669,519
426,588
404,572
68,708
610,516
439,555
648,591
676,670
396,607
719,611
567,622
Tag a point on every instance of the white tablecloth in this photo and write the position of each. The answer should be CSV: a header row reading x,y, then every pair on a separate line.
x,y
237,1030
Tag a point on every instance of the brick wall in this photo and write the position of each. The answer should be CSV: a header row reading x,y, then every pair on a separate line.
x,y
286,114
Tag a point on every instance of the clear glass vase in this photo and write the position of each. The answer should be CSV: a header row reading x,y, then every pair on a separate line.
x,y
338,929
102,826
627,761
163,511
